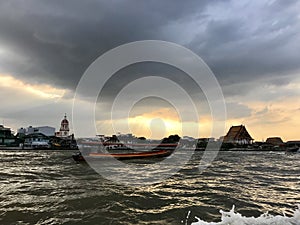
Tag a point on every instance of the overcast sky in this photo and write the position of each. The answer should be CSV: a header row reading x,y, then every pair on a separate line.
x,y
252,47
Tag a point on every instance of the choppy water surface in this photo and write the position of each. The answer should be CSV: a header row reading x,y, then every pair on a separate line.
x,y
47,187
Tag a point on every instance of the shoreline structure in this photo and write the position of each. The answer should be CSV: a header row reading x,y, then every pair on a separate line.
x,y
45,138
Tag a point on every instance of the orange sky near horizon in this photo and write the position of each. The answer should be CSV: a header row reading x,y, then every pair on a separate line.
x,y
274,118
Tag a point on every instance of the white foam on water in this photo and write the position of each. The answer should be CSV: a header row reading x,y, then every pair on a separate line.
x,y
234,218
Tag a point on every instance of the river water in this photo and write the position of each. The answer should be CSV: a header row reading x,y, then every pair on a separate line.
x,y
46,187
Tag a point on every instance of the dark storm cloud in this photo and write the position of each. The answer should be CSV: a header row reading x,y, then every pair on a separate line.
x,y
59,39
252,43
55,41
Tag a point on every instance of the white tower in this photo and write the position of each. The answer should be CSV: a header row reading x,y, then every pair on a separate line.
x,y
64,128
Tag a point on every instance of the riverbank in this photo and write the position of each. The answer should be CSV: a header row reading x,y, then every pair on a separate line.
x,y
118,150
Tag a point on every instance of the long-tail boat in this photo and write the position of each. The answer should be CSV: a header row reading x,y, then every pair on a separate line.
x,y
78,157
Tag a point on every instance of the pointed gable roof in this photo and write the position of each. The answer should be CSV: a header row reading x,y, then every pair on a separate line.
x,y
237,133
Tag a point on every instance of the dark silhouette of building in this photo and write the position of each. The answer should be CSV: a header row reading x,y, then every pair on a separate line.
x,y
274,141
238,135
7,138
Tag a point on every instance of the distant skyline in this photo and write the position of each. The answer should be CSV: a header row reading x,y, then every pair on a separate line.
x,y
251,46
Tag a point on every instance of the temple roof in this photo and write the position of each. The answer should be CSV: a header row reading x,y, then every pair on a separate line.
x,y
237,133
274,140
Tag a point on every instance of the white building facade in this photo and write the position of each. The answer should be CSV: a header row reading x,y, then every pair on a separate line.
x,y
46,130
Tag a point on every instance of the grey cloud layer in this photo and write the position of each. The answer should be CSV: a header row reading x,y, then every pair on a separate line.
x,y
55,41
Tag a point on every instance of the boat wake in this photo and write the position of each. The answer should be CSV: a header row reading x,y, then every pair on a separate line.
x,y
234,218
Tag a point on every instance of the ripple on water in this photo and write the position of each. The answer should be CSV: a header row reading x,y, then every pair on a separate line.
x,y
49,188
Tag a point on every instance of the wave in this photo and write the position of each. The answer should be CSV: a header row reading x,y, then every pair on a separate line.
x,y
234,218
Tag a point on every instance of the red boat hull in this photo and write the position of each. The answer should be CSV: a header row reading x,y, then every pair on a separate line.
x,y
124,156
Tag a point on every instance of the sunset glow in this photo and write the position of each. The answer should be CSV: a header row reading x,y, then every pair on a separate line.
x,y
255,60
278,117
150,112
40,90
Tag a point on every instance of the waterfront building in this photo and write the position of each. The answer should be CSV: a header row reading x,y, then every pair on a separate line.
x,y
36,141
293,143
188,142
21,131
62,138
276,141
238,135
7,139
46,130
64,128
202,140
124,138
